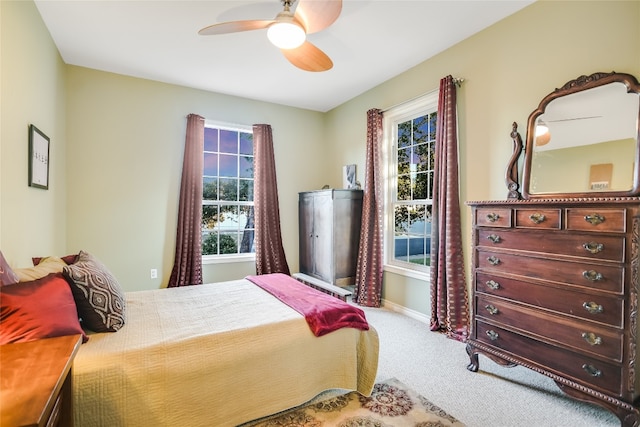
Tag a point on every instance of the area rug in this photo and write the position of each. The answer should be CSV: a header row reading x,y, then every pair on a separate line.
x,y
391,404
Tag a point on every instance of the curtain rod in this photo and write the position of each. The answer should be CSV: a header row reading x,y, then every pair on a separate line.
x,y
456,80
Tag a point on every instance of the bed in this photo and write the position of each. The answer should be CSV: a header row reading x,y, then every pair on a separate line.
x,y
219,354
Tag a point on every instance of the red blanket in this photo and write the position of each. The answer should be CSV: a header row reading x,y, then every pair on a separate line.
x,y
322,312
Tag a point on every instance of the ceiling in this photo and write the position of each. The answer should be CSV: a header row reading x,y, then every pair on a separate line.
x,y
371,42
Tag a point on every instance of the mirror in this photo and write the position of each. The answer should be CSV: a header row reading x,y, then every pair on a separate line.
x,y
583,139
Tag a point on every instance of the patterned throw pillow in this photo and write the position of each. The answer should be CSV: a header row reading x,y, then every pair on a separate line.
x,y
98,295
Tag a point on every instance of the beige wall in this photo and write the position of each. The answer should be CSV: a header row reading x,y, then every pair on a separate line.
x,y
32,221
116,178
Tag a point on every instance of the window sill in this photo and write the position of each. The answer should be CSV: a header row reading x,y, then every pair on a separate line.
x,y
228,259
415,274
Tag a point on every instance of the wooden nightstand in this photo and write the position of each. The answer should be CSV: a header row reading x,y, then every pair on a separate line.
x,y
35,382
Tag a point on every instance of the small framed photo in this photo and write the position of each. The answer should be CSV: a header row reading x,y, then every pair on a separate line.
x,y
38,158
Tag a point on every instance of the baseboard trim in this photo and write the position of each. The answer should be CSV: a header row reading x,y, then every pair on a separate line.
x,y
421,317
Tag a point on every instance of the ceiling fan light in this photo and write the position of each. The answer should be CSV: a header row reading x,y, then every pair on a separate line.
x,y
286,35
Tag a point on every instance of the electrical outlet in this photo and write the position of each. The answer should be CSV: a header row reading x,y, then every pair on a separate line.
x,y
154,273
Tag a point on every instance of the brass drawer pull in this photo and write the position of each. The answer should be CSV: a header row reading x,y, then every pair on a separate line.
x,y
592,338
491,309
537,218
494,285
593,247
493,260
594,219
592,275
493,335
493,217
494,238
592,307
592,370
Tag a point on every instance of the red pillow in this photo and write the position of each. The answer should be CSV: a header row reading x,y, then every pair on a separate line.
x,y
68,259
42,308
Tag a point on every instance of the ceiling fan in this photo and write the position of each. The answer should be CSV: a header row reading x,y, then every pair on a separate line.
x,y
288,31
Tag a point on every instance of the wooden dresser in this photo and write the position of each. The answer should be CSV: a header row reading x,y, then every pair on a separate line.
x,y
35,382
555,289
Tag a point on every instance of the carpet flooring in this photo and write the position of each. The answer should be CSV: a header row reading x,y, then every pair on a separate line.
x,y
391,404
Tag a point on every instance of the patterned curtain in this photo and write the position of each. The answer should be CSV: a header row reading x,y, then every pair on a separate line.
x,y
270,257
187,266
449,298
368,288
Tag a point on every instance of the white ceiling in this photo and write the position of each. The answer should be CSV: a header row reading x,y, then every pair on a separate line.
x,y
371,42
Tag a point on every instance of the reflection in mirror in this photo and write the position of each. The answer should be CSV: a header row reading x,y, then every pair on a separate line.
x,y
583,139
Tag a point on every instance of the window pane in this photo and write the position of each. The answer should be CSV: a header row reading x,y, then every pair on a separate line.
x,y
210,243
228,189
228,141
246,143
421,190
433,119
210,139
228,165
210,165
248,232
401,215
423,155
228,218
228,242
404,155
209,217
210,188
404,188
246,190
246,167
420,129
404,134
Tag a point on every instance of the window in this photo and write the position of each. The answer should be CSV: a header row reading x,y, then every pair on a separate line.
x,y
410,134
227,192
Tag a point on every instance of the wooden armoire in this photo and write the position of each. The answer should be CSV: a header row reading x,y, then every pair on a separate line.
x,y
329,227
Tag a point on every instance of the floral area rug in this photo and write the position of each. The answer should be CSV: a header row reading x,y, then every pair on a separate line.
x,y
391,404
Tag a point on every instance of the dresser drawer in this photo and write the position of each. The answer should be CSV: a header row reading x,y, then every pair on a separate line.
x,y
600,220
602,277
538,218
601,308
585,245
490,217
581,336
593,373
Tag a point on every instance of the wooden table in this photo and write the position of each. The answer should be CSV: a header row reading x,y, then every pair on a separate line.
x,y
35,382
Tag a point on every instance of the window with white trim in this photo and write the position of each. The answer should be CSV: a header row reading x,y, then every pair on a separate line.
x,y
227,192
410,134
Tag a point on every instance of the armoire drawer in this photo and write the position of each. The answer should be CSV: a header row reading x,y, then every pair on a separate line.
x,y
593,373
584,245
597,307
490,217
581,336
597,276
600,220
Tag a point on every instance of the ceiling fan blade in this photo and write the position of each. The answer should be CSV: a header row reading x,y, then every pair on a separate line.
x,y
316,15
308,57
234,27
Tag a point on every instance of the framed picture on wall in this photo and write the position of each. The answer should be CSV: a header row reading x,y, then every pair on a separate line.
x,y
38,158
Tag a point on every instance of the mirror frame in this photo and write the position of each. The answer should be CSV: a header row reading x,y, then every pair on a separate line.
x,y
580,84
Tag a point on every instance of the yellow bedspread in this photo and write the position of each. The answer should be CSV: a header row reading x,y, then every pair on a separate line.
x,y
213,355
